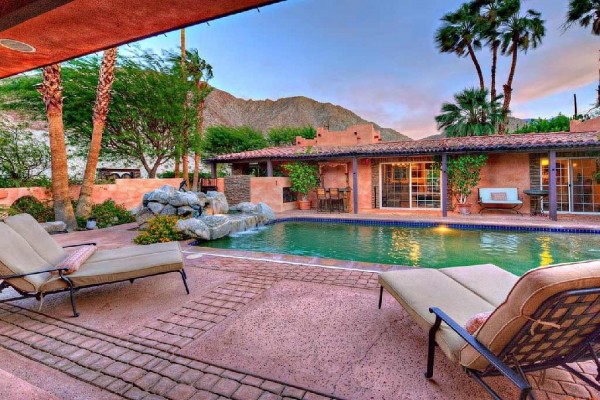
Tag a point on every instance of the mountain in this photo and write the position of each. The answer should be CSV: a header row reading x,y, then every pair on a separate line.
x,y
223,108
513,124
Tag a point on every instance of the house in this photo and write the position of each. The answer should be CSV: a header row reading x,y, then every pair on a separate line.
x,y
404,175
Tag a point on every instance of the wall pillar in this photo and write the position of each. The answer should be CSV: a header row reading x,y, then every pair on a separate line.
x,y
213,170
552,197
444,187
269,168
355,185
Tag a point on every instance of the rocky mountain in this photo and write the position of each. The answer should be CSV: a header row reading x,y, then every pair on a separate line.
x,y
224,109
513,124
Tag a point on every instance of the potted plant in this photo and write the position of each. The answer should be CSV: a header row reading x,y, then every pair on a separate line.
x,y
463,176
304,178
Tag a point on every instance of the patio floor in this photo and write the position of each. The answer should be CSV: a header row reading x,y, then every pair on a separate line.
x,y
250,329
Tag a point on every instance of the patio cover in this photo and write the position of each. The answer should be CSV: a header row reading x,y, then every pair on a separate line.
x,y
60,30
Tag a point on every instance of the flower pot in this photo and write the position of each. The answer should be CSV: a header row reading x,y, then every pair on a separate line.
x,y
464,209
304,205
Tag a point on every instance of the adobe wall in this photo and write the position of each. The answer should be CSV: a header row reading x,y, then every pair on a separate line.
x,y
355,134
128,192
270,191
592,125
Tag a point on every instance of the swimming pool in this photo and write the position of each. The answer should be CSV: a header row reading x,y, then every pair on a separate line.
x,y
428,246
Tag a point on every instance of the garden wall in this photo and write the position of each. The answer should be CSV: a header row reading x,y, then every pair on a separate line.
x,y
124,191
270,191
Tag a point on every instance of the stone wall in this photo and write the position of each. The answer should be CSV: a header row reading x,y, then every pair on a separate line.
x,y
128,192
237,188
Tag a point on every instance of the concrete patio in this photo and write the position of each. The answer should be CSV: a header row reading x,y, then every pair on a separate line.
x,y
250,329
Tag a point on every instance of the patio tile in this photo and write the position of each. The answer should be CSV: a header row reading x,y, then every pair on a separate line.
x,y
181,392
246,392
225,387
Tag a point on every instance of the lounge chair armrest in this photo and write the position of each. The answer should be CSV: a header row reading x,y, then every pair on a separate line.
x,y
81,244
504,369
59,270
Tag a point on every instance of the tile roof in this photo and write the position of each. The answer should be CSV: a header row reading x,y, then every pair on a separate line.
x,y
487,144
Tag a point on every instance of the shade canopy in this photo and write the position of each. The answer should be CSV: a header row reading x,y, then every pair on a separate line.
x,y
60,30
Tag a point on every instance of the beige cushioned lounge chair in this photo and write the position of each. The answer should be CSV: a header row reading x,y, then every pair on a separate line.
x,y
548,317
28,254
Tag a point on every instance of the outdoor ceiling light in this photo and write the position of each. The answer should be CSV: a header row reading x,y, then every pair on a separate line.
x,y
17,46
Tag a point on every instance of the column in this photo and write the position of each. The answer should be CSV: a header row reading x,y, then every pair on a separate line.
x,y
355,185
552,198
213,170
269,168
444,187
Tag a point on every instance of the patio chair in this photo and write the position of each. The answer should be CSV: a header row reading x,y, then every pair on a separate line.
x,y
28,255
336,200
549,317
322,200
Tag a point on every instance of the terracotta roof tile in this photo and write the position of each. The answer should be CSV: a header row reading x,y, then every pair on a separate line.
x,y
524,142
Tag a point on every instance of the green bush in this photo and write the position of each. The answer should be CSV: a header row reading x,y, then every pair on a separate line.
x,y
110,213
161,229
41,211
304,177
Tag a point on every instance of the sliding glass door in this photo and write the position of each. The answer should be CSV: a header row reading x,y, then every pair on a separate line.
x,y
410,185
577,187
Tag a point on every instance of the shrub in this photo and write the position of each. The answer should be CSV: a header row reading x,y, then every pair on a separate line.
x,y
304,177
110,213
464,174
41,211
161,229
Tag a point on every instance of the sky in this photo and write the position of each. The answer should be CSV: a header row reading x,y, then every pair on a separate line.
x,y
378,59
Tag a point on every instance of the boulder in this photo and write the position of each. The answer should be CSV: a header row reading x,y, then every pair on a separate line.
x,y
54,226
143,216
158,195
168,210
185,210
218,225
251,221
184,199
194,228
238,224
155,207
170,190
218,202
264,209
202,198
245,207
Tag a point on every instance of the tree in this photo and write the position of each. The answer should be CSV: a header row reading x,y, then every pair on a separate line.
x,y
286,136
472,114
23,158
519,33
101,106
560,123
223,140
461,34
51,91
464,174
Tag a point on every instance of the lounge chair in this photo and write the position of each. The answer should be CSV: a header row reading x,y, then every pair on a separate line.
x,y
28,255
549,317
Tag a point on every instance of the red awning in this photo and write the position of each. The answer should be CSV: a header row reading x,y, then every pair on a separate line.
x,y
60,30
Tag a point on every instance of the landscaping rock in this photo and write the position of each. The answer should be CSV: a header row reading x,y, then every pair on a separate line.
x,y
168,210
194,228
264,209
185,210
54,226
158,195
155,207
184,199
218,225
218,202
238,224
143,216
245,207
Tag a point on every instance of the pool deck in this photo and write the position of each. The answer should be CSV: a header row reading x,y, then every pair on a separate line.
x,y
255,329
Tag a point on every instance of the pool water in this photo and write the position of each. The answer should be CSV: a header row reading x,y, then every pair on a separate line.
x,y
437,247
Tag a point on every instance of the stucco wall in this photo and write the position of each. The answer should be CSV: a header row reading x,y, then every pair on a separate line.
x,y
270,191
124,191
593,125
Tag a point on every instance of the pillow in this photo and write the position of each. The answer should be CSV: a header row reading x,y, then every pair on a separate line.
x,y
475,322
76,259
499,196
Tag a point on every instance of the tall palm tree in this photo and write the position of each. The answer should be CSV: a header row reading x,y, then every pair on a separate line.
x,y
185,145
200,72
519,33
471,114
101,106
460,34
51,91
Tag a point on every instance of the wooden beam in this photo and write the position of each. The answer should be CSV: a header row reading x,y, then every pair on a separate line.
x,y
355,185
552,195
269,168
213,170
444,187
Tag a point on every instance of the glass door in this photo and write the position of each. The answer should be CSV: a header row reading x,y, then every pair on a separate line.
x,y
395,185
577,189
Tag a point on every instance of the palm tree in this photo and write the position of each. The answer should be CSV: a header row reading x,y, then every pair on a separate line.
x,y
101,106
185,139
471,114
51,91
461,35
519,33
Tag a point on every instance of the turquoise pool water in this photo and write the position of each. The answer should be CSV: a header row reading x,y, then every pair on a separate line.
x,y
438,247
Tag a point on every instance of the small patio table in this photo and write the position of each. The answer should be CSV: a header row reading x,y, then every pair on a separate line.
x,y
537,205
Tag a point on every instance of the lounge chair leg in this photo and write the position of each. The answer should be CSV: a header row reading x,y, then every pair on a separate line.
x,y
72,293
431,347
184,277
380,296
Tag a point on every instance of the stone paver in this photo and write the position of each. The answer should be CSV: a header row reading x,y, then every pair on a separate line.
x,y
123,367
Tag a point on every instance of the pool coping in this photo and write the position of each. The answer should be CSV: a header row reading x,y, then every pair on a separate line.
x,y
499,226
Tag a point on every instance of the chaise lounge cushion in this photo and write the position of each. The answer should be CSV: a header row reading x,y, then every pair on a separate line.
x,y
528,293
114,265
460,291
37,237
18,257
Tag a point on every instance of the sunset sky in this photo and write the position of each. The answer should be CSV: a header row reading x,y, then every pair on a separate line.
x,y
378,59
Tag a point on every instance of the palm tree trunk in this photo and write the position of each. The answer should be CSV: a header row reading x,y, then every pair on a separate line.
x,y
494,68
185,136
508,88
51,91
477,66
196,178
105,82
177,174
